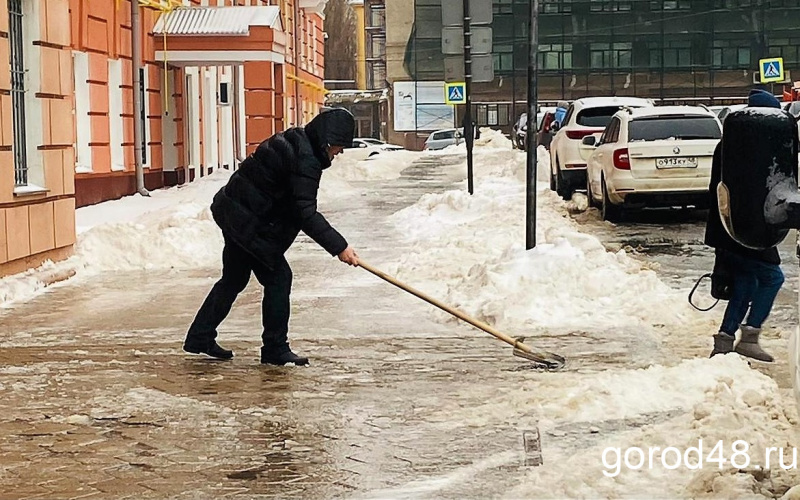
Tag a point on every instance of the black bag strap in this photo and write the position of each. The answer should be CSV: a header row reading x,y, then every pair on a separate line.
x,y
696,286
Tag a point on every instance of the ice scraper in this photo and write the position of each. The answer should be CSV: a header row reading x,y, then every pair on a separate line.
x,y
546,359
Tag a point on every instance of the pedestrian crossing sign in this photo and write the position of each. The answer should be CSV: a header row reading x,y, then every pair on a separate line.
x,y
771,70
455,93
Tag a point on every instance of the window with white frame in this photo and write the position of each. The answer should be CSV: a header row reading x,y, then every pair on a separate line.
x,y
16,42
115,114
23,17
145,113
83,129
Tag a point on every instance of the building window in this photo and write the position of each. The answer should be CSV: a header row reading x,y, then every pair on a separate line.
x,y
377,75
17,49
787,48
503,55
377,16
731,54
676,54
606,6
556,6
83,121
115,112
503,6
555,56
143,117
671,5
492,115
377,47
606,55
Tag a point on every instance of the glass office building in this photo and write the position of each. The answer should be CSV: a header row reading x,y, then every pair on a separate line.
x,y
676,51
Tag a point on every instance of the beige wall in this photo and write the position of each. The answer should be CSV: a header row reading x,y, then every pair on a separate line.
x,y
38,226
400,18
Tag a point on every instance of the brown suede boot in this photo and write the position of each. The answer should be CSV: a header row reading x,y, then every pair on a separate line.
x,y
750,347
723,344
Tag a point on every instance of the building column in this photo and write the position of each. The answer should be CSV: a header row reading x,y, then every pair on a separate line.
x,y
259,102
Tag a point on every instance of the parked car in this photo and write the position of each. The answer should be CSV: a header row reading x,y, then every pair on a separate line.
x,y
726,110
584,117
443,138
793,108
519,134
545,134
651,156
367,147
520,131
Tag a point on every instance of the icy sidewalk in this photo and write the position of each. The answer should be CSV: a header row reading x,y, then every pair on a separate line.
x,y
399,402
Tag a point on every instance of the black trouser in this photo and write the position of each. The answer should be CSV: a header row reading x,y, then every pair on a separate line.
x,y
236,267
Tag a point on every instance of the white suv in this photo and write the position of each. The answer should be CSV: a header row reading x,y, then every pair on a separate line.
x,y
652,157
584,117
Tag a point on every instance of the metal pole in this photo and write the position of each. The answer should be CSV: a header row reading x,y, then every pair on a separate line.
x,y
514,117
298,117
533,97
136,61
468,131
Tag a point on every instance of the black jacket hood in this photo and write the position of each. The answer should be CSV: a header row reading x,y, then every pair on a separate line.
x,y
333,127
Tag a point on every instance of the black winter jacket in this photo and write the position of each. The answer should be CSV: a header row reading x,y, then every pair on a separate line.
x,y
273,196
716,235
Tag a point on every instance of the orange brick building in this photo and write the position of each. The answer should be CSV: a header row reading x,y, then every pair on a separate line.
x,y
216,80
37,188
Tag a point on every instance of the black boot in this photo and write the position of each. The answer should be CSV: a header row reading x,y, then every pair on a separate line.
x,y
723,344
282,356
213,349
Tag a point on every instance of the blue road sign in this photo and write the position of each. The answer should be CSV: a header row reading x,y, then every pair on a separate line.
x,y
456,93
771,70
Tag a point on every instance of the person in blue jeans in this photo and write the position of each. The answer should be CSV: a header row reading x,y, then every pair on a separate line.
x,y
756,274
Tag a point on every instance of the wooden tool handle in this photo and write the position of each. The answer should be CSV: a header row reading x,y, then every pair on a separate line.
x,y
455,312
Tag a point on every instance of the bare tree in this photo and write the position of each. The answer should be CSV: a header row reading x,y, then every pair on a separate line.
x,y
341,27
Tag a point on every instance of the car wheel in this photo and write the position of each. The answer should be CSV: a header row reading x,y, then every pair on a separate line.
x,y
562,188
552,179
609,211
589,194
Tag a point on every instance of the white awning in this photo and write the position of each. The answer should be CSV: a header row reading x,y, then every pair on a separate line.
x,y
218,57
217,20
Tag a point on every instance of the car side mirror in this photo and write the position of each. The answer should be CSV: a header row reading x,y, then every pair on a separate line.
x,y
589,140
555,126
758,194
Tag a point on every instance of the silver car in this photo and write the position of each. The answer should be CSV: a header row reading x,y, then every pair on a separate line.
x,y
443,138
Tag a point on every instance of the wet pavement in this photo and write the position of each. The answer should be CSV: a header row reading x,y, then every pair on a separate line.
x,y
98,400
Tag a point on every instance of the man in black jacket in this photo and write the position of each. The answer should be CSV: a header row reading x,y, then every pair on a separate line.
x,y
261,210
757,275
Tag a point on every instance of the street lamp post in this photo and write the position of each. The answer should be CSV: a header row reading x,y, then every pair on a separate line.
x,y
531,136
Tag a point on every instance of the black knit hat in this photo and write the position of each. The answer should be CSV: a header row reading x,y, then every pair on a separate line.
x,y
333,127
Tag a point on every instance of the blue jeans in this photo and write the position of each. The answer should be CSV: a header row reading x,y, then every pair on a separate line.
x,y
755,286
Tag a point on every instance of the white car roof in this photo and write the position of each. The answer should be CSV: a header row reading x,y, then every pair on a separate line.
x,y
670,110
596,102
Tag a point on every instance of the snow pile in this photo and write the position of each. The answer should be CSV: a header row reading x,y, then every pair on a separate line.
x,y
171,229
723,401
386,165
470,250
181,238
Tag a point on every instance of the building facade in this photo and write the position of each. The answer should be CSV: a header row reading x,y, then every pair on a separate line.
x,y
216,80
674,51
368,101
213,86
37,188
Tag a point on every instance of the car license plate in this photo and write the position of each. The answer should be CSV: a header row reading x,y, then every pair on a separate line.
x,y
690,162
